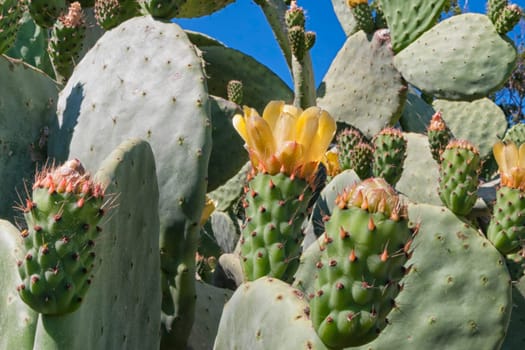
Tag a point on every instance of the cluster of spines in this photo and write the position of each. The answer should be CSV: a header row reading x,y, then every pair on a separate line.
x,y
10,14
62,219
275,208
390,152
459,176
110,13
364,248
66,40
439,135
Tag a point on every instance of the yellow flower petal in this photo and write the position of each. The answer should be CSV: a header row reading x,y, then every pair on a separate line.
x,y
307,125
290,155
209,207
285,128
240,125
272,111
325,134
260,136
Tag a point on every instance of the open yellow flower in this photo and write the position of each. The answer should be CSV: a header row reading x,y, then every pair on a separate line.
x,y
511,164
286,138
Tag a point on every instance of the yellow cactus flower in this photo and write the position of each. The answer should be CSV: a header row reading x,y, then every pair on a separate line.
x,y
286,138
354,3
511,164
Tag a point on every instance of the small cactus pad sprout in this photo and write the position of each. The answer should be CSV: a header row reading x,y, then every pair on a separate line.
x,y
365,245
62,217
507,227
439,135
66,40
459,176
509,17
390,153
363,15
235,91
286,146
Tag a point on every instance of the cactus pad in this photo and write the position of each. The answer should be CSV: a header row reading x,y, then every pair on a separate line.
x,y
465,41
362,87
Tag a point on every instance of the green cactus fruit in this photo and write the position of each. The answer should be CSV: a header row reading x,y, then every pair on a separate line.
x,y
271,237
346,140
495,8
296,36
390,153
510,16
361,159
62,217
295,17
366,243
363,15
165,9
235,91
10,15
309,39
459,176
507,227
110,13
46,12
66,40
516,134
439,135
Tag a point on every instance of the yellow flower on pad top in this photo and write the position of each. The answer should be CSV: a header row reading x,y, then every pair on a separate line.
x,y
511,164
286,139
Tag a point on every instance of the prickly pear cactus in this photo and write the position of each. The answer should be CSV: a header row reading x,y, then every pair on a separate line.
x,y
366,244
459,176
62,217
46,12
111,13
389,155
439,135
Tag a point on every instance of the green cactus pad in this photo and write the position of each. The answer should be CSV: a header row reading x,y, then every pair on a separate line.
x,y
266,314
362,87
515,337
457,294
159,95
407,20
31,45
477,115
416,114
420,177
18,321
454,59
228,154
199,8
110,13
261,85
208,311
345,16
228,195
31,96
271,238
363,16
459,176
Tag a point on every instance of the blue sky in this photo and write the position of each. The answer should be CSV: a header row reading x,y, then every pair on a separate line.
x,y
243,26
